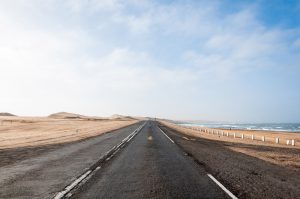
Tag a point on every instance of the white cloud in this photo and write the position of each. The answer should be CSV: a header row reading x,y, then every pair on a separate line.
x,y
93,5
80,55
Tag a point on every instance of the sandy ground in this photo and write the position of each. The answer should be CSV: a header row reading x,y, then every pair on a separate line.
x,y
22,132
25,137
270,136
249,169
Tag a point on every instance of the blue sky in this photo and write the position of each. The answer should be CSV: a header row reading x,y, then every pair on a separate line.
x,y
227,60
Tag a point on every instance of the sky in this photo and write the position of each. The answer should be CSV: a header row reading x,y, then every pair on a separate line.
x,y
225,60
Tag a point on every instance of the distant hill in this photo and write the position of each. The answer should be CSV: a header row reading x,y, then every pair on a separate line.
x,y
122,117
66,115
6,114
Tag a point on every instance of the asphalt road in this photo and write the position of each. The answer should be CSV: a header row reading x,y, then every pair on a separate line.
x,y
151,166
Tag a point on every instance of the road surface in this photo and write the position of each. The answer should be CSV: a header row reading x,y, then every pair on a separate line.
x,y
151,166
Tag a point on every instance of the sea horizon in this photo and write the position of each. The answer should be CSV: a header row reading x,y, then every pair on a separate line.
x,y
263,126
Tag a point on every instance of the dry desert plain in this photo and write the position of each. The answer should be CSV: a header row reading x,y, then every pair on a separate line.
x,y
24,137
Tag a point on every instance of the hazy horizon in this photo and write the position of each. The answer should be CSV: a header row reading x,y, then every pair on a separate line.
x,y
181,60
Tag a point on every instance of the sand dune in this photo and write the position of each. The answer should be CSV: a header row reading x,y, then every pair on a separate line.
x,y
116,116
6,114
65,115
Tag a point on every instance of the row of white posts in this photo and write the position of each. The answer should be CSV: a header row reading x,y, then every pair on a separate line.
x,y
242,136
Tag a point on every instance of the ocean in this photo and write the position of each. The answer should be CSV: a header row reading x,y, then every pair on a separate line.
x,y
289,127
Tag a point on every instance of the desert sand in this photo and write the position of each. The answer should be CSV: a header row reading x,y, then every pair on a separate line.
x,y
270,136
18,132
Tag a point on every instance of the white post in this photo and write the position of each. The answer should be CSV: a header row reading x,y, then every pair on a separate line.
x,y
222,133
263,138
242,136
252,137
293,142
227,134
234,135
277,140
287,142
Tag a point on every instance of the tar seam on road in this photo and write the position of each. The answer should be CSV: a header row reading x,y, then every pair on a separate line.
x,y
107,156
166,135
222,187
185,138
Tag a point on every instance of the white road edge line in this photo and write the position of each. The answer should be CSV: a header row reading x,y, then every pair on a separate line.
x,y
67,189
71,186
166,135
222,187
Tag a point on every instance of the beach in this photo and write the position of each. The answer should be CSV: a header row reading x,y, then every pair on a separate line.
x,y
269,137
